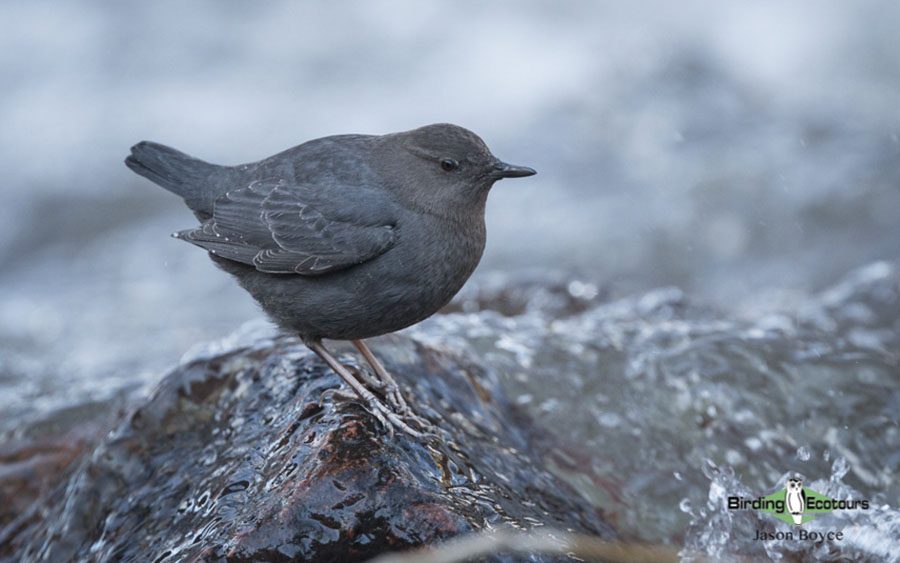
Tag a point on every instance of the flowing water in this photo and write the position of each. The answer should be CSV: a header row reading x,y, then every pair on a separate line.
x,y
676,407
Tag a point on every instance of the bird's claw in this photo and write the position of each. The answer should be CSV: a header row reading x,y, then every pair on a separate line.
x,y
337,395
404,421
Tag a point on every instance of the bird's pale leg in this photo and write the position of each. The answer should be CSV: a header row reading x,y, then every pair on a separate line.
x,y
392,390
381,411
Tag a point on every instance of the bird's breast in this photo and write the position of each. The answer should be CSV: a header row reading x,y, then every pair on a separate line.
x,y
431,261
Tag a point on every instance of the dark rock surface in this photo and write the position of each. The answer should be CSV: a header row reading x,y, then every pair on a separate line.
x,y
238,457
31,467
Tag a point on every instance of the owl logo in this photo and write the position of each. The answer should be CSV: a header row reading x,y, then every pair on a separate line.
x,y
795,499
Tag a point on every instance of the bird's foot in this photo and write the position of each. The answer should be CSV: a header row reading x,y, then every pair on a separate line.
x,y
391,419
387,413
399,404
372,381
337,395
399,414
389,389
376,408
383,381
395,414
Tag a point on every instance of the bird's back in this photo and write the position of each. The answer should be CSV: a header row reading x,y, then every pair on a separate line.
x,y
330,163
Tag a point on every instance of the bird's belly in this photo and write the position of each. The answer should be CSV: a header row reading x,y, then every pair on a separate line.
x,y
398,289
409,288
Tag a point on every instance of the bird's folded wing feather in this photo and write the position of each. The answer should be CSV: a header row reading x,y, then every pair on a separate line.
x,y
285,229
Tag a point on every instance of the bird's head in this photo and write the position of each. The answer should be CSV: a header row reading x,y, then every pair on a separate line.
x,y
443,168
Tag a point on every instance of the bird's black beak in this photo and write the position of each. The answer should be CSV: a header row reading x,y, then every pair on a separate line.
x,y
504,170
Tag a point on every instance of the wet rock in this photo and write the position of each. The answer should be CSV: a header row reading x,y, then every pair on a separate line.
x,y
32,467
244,455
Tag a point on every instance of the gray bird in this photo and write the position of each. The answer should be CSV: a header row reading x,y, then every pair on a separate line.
x,y
344,237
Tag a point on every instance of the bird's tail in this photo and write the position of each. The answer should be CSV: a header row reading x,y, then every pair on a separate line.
x,y
177,172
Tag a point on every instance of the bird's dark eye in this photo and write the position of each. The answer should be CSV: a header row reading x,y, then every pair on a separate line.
x,y
448,164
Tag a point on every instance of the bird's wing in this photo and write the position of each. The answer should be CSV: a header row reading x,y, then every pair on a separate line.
x,y
288,229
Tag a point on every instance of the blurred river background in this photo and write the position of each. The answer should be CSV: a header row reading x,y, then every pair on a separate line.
x,y
746,154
